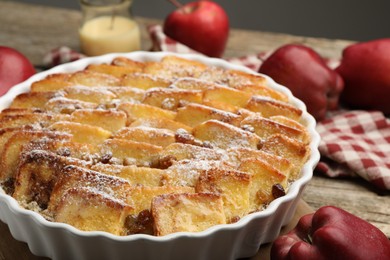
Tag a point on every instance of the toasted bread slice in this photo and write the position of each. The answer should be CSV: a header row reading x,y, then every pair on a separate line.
x,y
82,133
193,83
181,151
233,186
144,176
225,136
173,61
260,90
281,164
215,75
87,152
50,84
6,133
231,78
35,120
164,123
116,71
13,148
110,120
142,196
268,107
37,175
221,105
127,94
137,111
187,172
171,98
90,210
158,69
294,124
145,81
33,99
174,67
77,177
265,127
67,106
128,152
133,64
238,78
155,136
186,212
194,114
227,95
141,221
263,176
93,79
59,76
296,152
98,95
19,111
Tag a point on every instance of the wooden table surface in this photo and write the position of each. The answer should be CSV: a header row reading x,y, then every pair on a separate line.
x,y
35,30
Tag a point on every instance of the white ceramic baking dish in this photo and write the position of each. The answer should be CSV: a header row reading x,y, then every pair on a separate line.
x,y
242,239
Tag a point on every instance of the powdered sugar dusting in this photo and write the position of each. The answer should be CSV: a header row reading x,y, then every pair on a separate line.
x,y
193,148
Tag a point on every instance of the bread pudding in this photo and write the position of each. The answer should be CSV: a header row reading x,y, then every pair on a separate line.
x,y
151,147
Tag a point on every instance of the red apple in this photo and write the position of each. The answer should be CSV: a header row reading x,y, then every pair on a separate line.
x,y
201,25
14,68
306,74
365,68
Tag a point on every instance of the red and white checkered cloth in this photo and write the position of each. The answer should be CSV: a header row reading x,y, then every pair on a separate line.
x,y
60,55
354,143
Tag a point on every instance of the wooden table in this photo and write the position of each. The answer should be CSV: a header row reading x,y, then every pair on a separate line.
x,y
35,30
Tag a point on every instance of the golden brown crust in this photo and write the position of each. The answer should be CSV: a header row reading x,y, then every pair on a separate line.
x,y
150,147
186,212
90,211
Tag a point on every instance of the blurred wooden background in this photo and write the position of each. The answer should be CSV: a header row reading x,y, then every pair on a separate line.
x,y
347,19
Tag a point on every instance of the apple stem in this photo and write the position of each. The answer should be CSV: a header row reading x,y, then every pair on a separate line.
x,y
176,3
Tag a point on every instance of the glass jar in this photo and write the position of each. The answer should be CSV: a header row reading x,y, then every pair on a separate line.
x,y
107,27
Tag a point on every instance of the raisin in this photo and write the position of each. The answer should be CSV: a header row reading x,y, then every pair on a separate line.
x,y
165,162
140,224
8,186
106,157
278,191
182,136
